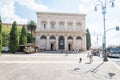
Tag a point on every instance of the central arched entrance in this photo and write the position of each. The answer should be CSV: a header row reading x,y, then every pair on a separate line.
x,y
61,43
52,42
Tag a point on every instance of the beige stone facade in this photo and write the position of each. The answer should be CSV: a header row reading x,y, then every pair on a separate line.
x,y
61,31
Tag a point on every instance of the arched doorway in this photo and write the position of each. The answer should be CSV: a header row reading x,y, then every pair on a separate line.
x,y
51,46
43,42
69,46
79,43
61,42
52,42
70,42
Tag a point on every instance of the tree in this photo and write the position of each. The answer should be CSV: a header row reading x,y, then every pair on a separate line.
x,y
31,26
0,35
23,36
6,34
29,38
88,39
14,38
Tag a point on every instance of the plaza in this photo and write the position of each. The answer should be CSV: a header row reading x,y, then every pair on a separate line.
x,y
47,66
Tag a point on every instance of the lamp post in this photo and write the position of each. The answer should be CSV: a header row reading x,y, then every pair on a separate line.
x,y
103,6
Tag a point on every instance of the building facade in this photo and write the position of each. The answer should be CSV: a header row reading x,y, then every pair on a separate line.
x,y
60,31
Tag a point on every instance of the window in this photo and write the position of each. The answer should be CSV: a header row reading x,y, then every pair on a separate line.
x,y
61,42
52,26
70,23
61,25
44,26
70,26
78,24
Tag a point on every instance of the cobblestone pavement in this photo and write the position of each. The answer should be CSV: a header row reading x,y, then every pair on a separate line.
x,y
55,67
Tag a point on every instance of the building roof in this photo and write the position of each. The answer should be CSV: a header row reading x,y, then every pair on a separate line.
x,y
60,13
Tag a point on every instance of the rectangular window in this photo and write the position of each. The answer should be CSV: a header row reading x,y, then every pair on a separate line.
x,y
44,26
52,26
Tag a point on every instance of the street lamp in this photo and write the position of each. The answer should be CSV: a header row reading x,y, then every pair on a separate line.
x,y
103,6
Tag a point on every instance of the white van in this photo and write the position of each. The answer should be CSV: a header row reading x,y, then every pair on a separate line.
x,y
114,52
5,49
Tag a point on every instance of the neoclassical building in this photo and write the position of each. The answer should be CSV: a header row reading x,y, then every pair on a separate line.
x,y
60,31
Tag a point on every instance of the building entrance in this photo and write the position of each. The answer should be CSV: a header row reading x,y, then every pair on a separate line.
x,y
69,47
52,46
61,42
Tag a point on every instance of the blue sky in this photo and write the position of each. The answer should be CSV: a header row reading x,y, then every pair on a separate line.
x,y
25,10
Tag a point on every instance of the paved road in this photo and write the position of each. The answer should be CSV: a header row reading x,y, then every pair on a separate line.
x,y
55,67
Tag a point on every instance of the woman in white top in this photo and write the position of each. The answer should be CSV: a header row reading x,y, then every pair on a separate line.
x,y
90,55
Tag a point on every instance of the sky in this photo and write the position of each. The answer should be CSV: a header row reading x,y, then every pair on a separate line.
x,y
23,11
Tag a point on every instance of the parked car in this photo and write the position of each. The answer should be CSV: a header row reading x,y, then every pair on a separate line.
x,y
5,49
96,52
113,52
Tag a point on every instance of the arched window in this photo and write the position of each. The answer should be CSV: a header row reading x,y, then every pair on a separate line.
x,y
52,37
43,37
70,37
78,38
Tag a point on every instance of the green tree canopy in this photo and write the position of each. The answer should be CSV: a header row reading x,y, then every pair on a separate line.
x,y
31,26
88,39
23,36
0,34
29,38
14,38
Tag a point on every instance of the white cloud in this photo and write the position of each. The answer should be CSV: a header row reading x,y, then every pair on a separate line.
x,y
31,4
8,13
7,10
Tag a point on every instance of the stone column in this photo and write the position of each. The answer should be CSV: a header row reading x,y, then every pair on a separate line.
x,y
38,24
56,42
74,24
84,42
57,25
48,43
48,24
65,24
66,45
74,42
37,38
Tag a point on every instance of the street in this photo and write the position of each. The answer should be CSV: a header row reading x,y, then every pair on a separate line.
x,y
55,67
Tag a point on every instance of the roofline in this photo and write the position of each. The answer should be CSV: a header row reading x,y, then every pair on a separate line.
x,y
60,13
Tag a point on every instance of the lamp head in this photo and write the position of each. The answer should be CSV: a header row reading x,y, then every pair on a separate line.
x,y
112,4
95,8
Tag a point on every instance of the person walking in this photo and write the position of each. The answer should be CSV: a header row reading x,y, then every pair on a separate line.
x,y
90,55
80,60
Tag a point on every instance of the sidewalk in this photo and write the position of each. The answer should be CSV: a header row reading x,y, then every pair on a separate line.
x,y
56,67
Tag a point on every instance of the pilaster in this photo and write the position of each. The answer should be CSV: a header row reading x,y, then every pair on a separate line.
x,y
48,24
66,45
48,43
74,42
56,42
65,24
